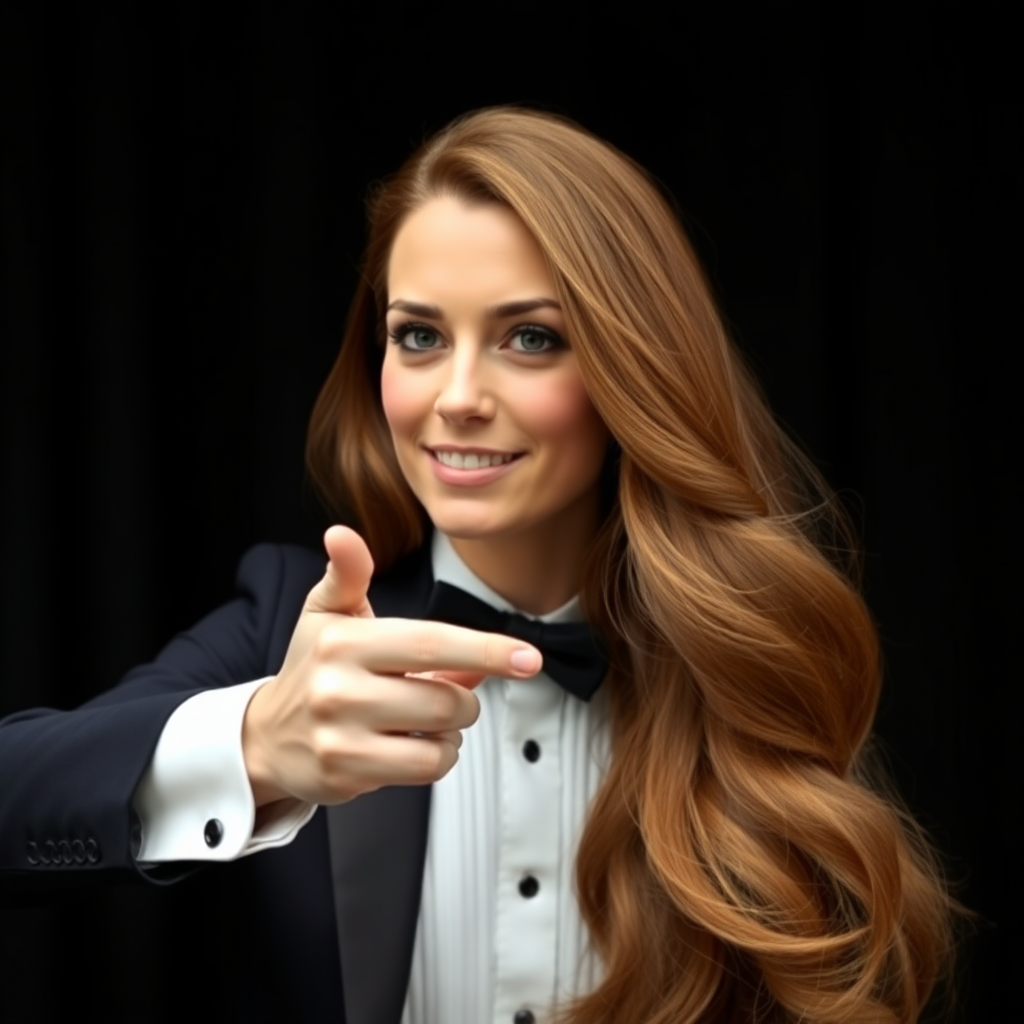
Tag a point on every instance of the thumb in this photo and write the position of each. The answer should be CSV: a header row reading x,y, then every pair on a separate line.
x,y
349,569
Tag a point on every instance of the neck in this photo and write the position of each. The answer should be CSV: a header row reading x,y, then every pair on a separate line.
x,y
537,570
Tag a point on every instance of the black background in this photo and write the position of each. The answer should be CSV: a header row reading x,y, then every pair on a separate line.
x,y
182,216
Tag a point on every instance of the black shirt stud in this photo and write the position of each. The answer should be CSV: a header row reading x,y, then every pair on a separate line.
x,y
528,886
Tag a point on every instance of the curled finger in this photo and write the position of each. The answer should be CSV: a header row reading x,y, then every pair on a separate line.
x,y
452,736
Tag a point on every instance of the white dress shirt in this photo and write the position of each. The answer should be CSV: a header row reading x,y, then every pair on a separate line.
x,y
503,826
499,929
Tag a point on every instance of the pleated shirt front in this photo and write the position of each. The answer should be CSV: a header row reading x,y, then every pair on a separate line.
x,y
500,931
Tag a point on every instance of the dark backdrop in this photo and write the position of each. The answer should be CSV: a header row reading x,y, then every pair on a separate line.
x,y
181,221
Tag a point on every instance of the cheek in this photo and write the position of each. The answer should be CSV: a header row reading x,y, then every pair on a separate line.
x,y
400,399
562,411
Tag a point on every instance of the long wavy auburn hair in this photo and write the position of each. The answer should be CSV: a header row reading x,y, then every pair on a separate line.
x,y
734,866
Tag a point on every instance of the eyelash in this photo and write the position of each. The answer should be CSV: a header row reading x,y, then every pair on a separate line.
x,y
398,335
401,332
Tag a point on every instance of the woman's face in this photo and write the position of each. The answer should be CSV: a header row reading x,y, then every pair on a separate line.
x,y
491,423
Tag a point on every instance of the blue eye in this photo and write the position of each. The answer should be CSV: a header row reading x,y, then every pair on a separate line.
x,y
535,339
415,337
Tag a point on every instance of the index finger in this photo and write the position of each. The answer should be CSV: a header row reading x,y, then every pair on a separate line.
x,y
412,645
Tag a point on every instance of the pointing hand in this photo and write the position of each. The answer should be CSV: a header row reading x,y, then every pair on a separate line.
x,y
362,702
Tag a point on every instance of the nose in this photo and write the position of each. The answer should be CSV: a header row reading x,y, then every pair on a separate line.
x,y
464,394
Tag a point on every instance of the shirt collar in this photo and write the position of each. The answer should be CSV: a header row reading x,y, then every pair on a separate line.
x,y
450,568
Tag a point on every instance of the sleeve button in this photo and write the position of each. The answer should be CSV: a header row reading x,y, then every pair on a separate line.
x,y
65,852
523,1017
78,851
32,853
50,856
213,833
92,851
531,751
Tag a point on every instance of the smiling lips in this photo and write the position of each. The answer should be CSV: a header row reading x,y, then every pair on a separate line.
x,y
469,468
471,460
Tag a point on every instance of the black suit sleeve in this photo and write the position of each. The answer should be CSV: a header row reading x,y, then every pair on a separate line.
x,y
67,777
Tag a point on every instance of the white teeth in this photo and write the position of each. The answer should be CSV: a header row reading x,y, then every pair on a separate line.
x,y
456,460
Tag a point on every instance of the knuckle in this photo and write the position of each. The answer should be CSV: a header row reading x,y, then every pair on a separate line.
x,y
334,642
323,695
341,762
330,693
336,746
426,647
429,760
442,706
492,654
327,749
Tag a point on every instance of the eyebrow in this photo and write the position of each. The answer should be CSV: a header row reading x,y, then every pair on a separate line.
x,y
500,312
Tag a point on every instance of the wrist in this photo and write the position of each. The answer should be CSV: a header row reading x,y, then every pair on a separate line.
x,y
258,765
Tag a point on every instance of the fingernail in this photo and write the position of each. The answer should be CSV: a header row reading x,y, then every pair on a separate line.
x,y
525,660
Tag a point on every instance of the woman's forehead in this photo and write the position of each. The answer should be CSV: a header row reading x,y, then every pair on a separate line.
x,y
452,249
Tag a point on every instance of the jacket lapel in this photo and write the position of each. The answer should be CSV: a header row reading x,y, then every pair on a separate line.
x,y
378,845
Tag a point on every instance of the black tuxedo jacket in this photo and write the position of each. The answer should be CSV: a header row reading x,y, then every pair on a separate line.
x,y
321,929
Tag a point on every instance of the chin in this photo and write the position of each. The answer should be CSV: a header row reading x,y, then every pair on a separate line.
x,y
472,523
463,528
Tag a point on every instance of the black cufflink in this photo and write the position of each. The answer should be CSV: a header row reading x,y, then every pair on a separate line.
x,y
213,833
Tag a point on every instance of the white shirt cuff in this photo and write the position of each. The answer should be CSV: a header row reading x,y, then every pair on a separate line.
x,y
195,801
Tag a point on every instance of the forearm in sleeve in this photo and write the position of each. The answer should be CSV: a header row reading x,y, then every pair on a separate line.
x,y
194,802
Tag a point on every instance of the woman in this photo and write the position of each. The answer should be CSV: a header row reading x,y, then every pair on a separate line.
x,y
732,865
534,366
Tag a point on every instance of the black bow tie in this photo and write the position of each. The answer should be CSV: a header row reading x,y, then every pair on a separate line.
x,y
573,654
